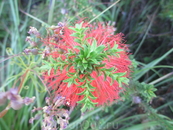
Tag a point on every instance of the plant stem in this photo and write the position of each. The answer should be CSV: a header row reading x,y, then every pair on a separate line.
x,y
103,11
161,78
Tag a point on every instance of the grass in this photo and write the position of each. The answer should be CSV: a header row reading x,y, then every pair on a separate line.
x,y
148,33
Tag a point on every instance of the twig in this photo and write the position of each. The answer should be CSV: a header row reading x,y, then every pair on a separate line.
x,y
145,35
161,78
103,11
42,81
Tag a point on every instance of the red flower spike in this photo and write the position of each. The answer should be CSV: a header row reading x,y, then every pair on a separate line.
x,y
104,91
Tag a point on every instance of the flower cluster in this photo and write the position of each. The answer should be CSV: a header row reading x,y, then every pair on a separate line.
x,y
86,63
16,101
34,34
53,114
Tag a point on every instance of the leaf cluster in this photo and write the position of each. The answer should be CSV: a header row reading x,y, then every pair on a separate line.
x,y
89,57
144,90
79,32
88,96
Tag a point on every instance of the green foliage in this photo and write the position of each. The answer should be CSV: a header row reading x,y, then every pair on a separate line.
x,y
28,83
79,32
148,92
143,90
89,57
167,12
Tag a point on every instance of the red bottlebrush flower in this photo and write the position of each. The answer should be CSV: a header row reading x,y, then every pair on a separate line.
x,y
106,85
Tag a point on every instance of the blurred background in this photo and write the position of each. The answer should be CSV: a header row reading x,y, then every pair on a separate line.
x,y
147,26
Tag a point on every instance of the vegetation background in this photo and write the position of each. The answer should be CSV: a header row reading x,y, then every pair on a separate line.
x,y
148,29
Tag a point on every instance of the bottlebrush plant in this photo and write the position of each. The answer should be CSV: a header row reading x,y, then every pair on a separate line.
x,y
87,64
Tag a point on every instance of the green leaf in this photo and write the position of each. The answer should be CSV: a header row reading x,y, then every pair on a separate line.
x,y
108,70
49,71
94,61
84,61
112,79
88,55
85,66
75,35
79,64
125,80
101,65
82,93
90,78
78,47
86,51
121,74
45,62
69,81
68,67
105,76
83,100
79,26
93,103
92,54
72,28
81,68
70,74
100,49
90,66
45,67
81,79
92,96
84,108
55,66
77,40
75,82
82,53
52,59
90,87
94,45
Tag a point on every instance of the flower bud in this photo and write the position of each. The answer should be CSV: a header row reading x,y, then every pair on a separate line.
x,y
12,94
31,120
34,118
60,24
28,39
26,51
136,99
28,100
34,51
33,44
34,31
18,103
3,98
64,11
